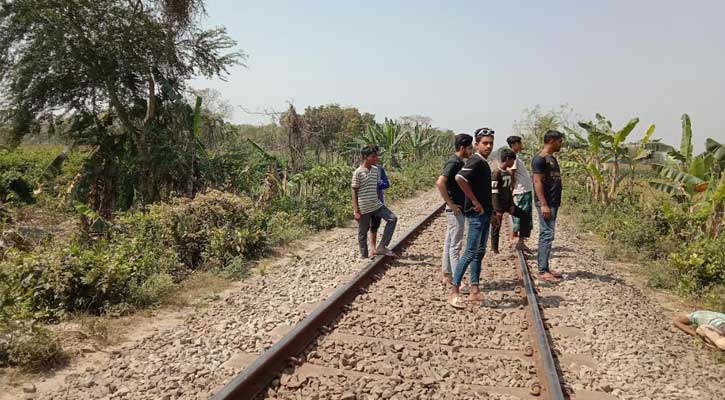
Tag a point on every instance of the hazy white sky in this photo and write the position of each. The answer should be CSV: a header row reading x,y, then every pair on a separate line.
x,y
469,64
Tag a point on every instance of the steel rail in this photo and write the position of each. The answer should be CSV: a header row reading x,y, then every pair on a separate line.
x,y
551,382
257,376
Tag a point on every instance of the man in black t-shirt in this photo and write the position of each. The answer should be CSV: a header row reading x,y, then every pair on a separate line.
x,y
547,187
475,182
455,199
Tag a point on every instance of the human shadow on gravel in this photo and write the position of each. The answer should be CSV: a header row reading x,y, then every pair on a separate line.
x,y
551,301
592,276
419,258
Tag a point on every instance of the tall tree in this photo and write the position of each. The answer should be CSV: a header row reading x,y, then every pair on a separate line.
x,y
87,57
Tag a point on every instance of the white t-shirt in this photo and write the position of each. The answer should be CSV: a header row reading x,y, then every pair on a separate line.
x,y
523,179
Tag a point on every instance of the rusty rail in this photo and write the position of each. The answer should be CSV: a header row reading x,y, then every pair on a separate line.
x,y
258,375
548,374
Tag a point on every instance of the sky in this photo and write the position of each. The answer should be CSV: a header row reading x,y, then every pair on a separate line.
x,y
469,64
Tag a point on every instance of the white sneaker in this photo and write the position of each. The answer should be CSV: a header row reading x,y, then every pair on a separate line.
x,y
384,251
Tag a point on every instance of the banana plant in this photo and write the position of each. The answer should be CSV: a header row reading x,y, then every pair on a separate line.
x,y
638,152
418,140
612,143
582,157
389,137
684,154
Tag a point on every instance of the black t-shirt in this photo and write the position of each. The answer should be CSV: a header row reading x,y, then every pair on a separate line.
x,y
478,174
502,194
549,167
453,165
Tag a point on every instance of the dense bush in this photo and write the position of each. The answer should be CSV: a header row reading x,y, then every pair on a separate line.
x,y
30,348
144,254
136,263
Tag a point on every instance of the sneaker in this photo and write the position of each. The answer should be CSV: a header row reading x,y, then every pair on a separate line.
x,y
384,251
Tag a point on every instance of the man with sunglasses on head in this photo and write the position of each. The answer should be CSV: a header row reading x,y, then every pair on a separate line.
x,y
474,180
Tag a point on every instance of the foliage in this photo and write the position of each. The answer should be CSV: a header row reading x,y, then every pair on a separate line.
x,y
329,126
30,348
90,59
657,230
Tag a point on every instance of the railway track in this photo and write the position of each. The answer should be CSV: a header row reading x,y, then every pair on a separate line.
x,y
389,333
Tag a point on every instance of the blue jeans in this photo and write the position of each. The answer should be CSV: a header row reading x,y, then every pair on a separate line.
x,y
547,229
478,227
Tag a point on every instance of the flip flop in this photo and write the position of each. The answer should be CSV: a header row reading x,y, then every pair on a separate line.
x,y
456,302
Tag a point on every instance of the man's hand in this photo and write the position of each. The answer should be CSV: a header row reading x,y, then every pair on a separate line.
x,y
546,211
456,210
478,208
357,216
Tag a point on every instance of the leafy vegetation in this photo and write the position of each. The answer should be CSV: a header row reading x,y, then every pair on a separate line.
x,y
670,214
133,181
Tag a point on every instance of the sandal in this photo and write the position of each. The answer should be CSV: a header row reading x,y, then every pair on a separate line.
x,y
456,302
548,277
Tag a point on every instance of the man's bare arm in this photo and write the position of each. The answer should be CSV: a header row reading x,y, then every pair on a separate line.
x,y
683,323
441,185
539,188
355,208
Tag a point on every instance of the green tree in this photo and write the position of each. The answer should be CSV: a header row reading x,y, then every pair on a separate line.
x,y
88,57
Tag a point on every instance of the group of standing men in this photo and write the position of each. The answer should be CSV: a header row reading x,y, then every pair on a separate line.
x,y
476,191
480,196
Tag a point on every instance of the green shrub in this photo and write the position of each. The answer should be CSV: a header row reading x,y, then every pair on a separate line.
x,y
699,266
31,348
283,227
152,291
135,263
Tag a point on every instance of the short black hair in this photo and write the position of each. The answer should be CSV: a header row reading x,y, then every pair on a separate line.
x,y
552,135
512,140
463,140
483,132
506,154
368,150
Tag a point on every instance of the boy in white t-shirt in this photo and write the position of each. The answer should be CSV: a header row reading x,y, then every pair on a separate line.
x,y
523,194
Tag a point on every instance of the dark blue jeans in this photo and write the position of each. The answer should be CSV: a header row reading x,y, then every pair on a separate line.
x,y
547,230
478,227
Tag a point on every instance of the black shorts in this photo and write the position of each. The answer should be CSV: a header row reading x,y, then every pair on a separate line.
x,y
375,223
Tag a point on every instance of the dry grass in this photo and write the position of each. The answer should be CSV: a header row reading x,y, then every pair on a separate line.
x,y
200,287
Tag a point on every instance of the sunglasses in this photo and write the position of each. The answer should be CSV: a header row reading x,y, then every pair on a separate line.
x,y
485,132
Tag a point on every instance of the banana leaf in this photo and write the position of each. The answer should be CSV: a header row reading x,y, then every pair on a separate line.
x,y
714,147
570,164
261,150
686,142
97,223
596,173
677,175
622,134
659,147
55,167
196,119
698,167
669,189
